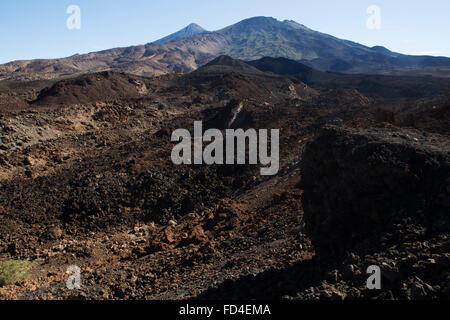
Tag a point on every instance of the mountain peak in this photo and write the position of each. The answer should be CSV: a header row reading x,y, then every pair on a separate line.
x,y
194,27
189,31
263,24
260,19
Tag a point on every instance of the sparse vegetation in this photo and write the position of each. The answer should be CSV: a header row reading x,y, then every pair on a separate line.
x,y
12,271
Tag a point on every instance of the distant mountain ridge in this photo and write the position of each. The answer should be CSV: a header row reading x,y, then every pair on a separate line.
x,y
250,39
385,86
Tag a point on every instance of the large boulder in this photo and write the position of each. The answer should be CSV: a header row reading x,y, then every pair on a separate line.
x,y
359,184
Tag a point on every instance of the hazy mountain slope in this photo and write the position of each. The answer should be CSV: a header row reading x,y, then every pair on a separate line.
x,y
191,30
259,37
385,86
182,55
288,67
249,39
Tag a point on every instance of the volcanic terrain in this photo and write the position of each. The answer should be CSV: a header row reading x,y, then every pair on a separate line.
x,y
86,179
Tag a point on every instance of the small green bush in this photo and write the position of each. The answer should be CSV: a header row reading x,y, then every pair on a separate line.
x,y
12,271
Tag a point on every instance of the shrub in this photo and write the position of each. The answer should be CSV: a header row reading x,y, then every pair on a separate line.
x,y
12,271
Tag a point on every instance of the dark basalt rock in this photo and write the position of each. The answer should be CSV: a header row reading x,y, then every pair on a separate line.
x,y
359,184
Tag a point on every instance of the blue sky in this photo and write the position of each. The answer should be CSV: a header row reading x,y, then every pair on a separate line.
x,y
37,29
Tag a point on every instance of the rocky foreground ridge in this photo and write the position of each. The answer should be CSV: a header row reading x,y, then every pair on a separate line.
x,y
371,197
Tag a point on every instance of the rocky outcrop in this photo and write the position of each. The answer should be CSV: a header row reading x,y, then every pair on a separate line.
x,y
97,87
364,186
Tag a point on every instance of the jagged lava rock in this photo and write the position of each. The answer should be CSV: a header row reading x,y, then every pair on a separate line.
x,y
360,183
